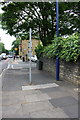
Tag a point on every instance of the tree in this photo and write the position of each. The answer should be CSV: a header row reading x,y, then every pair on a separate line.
x,y
2,47
21,16
18,17
0,17
15,46
69,18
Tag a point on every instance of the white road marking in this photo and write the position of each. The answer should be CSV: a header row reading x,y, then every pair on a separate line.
x,y
42,86
8,66
12,66
77,89
2,73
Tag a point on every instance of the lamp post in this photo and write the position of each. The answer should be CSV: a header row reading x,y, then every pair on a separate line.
x,y
57,34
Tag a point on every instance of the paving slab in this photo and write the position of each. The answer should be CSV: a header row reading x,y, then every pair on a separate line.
x,y
20,93
14,82
71,110
0,112
70,90
0,98
36,106
58,94
36,97
64,101
12,100
49,90
31,92
48,113
12,93
10,111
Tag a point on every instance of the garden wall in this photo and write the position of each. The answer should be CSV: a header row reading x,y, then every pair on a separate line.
x,y
69,71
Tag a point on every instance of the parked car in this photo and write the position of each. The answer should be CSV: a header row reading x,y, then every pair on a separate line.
x,y
4,56
34,58
17,56
0,57
10,56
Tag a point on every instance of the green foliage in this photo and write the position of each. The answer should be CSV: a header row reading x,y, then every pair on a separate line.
x,y
66,48
0,17
54,48
15,44
2,47
39,50
71,48
40,16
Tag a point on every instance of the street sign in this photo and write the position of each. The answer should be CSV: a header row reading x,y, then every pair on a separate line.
x,y
16,49
29,54
30,44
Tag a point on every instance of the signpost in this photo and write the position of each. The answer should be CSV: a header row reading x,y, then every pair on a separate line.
x,y
30,54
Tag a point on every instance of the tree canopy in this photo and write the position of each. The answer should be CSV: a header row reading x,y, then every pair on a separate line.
x,y
15,46
18,17
2,48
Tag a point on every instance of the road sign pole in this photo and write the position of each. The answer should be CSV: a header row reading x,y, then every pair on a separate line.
x,y
30,53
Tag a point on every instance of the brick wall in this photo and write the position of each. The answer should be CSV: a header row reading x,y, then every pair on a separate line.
x,y
69,71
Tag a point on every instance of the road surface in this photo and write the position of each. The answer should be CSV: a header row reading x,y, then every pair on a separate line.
x,y
4,64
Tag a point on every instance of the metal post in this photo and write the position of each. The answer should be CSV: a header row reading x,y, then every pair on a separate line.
x,y
57,34
30,52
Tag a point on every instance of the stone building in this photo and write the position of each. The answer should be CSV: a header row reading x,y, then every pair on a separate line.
x,y
23,47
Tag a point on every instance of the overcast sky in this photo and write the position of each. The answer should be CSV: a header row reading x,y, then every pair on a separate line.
x,y
6,38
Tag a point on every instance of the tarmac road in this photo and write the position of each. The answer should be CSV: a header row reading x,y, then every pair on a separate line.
x,y
3,64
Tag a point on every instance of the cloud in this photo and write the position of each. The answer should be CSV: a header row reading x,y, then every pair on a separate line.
x,y
6,39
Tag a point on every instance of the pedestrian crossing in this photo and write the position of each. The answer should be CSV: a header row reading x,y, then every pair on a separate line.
x,y
15,65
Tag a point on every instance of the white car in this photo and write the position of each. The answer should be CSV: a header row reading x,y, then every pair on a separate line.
x,y
34,58
0,57
4,56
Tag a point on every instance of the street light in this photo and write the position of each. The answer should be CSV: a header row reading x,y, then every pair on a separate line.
x,y
57,34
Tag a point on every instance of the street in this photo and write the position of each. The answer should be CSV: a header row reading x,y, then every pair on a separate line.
x,y
4,64
39,59
3,67
44,98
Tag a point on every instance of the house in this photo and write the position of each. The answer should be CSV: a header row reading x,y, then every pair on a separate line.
x,y
24,47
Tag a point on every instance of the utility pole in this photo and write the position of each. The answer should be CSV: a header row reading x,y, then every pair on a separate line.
x,y
57,34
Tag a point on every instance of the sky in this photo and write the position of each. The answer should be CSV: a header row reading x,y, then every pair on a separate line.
x,y
6,38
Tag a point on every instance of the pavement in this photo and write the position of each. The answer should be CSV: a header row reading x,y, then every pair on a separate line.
x,y
44,98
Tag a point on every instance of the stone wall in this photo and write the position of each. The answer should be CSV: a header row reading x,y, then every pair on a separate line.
x,y
69,71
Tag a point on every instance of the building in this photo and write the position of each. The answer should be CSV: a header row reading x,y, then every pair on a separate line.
x,y
24,47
